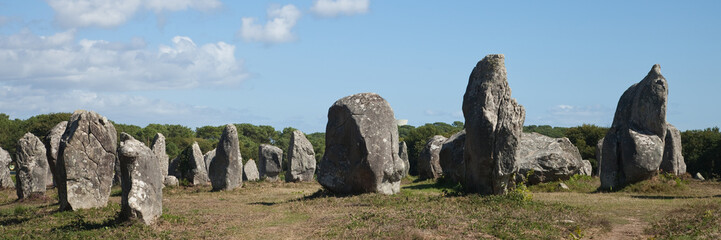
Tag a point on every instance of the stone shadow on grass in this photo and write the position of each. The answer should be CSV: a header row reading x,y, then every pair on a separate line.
x,y
673,197
321,193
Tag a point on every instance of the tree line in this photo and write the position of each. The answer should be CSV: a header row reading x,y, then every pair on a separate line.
x,y
701,148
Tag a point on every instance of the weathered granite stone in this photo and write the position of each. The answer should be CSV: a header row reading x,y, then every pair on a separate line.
x,y
301,159
673,161
586,169
208,157
361,153
171,181
599,155
86,160
227,166
270,159
633,147
116,173
546,159
403,154
52,145
158,147
173,167
142,182
429,166
451,157
191,166
494,122
5,180
32,167
250,171
699,176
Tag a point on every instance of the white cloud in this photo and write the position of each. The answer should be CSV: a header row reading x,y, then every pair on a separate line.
x,y
112,13
277,29
59,62
333,8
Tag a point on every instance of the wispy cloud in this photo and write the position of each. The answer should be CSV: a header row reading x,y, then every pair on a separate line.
x,y
333,8
565,115
277,29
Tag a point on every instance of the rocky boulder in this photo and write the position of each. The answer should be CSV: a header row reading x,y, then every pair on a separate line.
x,y
226,169
301,159
86,161
494,122
429,166
634,145
547,159
5,180
586,169
158,148
142,182
171,181
250,171
451,157
52,145
32,167
403,154
673,161
270,159
190,166
361,153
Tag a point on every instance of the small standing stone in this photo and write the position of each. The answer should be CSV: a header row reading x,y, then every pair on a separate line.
x,y
699,176
403,154
250,171
270,159
429,165
208,158
301,159
227,166
5,180
32,167
191,166
52,144
158,148
171,181
142,186
673,161
451,157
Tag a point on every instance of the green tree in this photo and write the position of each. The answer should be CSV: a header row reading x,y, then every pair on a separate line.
x,y
585,138
702,151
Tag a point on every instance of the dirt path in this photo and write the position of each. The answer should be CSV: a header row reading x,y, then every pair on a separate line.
x,y
633,229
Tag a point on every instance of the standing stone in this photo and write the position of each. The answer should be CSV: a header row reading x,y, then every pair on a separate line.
x,y
5,180
142,182
86,160
403,154
158,148
494,122
429,166
191,166
116,173
227,166
586,169
32,167
250,171
599,156
52,145
270,159
698,176
673,161
208,158
633,147
546,159
171,181
361,153
301,159
173,167
451,157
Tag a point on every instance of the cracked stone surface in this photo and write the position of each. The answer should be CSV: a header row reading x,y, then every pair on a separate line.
x,y
142,181
32,167
301,159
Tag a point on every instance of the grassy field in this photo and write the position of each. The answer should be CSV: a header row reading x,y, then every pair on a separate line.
x,y
661,208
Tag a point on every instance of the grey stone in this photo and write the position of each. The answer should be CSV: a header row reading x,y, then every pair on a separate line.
x,y
451,157
494,122
699,176
429,166
208,157
633,146
52,145
563,186
190,166
301,159
673,161
361,153
270,159
158,147
86,159
5,180
403,154
173,167
32,167
250,171
599,155
546,159
226,168
142,182
171,181
586,169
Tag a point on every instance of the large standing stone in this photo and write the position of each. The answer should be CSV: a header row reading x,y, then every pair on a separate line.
x,y
158,148
52,145
546,159
451,157
250,171
270,159
673,161
32,167
142,182
301,159
633,147
429,166
5,180
494,122
86,161
190,166
361,147
208,157
226,169
403,154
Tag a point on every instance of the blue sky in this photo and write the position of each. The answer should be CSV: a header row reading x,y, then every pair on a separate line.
x,y
283,63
